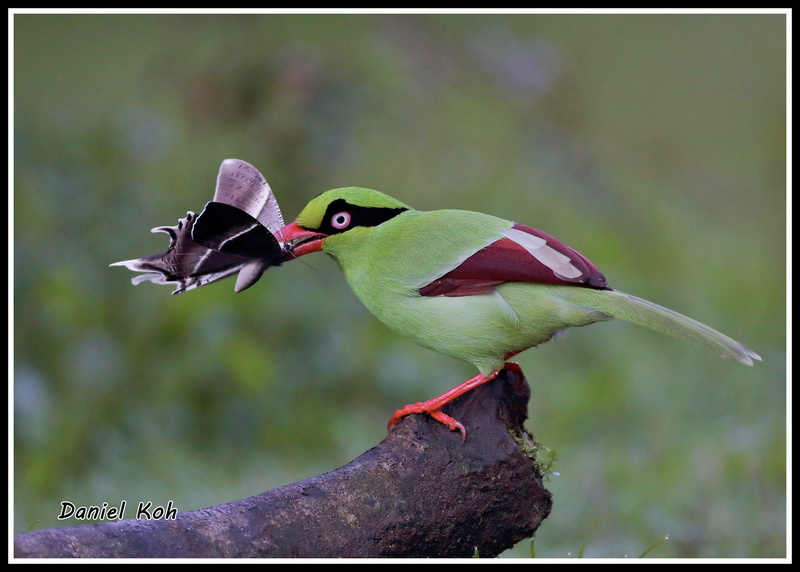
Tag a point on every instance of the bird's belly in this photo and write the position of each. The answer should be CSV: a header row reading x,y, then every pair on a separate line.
x,y
482,329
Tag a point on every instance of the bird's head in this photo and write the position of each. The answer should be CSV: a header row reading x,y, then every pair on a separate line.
x,y
336,213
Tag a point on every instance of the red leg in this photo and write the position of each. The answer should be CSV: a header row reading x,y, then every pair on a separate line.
x,y
433,406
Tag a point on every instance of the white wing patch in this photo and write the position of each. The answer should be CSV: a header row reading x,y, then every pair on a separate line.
x,y
557,262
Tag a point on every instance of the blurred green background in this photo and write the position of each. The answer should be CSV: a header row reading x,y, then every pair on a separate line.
x,y
653,144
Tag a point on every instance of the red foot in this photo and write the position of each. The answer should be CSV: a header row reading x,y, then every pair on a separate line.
x,y
433,407
437,414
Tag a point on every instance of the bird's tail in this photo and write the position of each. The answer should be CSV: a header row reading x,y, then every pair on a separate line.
x,y
639,311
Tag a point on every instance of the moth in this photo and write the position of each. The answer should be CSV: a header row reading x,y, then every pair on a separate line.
x,y
237,232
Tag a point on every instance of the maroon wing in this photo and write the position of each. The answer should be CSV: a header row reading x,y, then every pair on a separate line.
x,y
517,258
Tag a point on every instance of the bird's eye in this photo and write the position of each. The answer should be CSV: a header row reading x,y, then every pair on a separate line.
x,y
340,220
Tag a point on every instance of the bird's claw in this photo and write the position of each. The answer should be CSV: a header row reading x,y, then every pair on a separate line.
x,y
437,414
451,423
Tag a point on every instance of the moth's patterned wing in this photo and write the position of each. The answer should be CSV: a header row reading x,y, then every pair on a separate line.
x,y
185,263
241,185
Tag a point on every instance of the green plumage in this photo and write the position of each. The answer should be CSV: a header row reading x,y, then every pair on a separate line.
x,y
386,264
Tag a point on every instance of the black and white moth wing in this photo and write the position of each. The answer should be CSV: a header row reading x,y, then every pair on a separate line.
x,y
242,186
228,230
244,219
185,264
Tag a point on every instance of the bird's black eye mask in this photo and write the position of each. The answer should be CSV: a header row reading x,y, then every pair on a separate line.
x,y
341,216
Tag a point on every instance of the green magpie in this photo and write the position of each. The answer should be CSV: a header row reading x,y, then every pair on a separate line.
x,y
471,285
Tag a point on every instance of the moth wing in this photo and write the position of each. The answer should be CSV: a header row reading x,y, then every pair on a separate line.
x,y
241,185
185,264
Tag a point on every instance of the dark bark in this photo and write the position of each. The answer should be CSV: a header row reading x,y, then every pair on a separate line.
x,y
422,492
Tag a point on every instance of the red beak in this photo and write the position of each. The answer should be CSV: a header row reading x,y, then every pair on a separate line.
x,y
300,240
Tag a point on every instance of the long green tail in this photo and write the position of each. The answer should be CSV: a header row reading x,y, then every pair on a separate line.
x,y
639,311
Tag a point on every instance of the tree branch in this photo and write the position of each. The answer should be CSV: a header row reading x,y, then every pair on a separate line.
x,y
422,492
